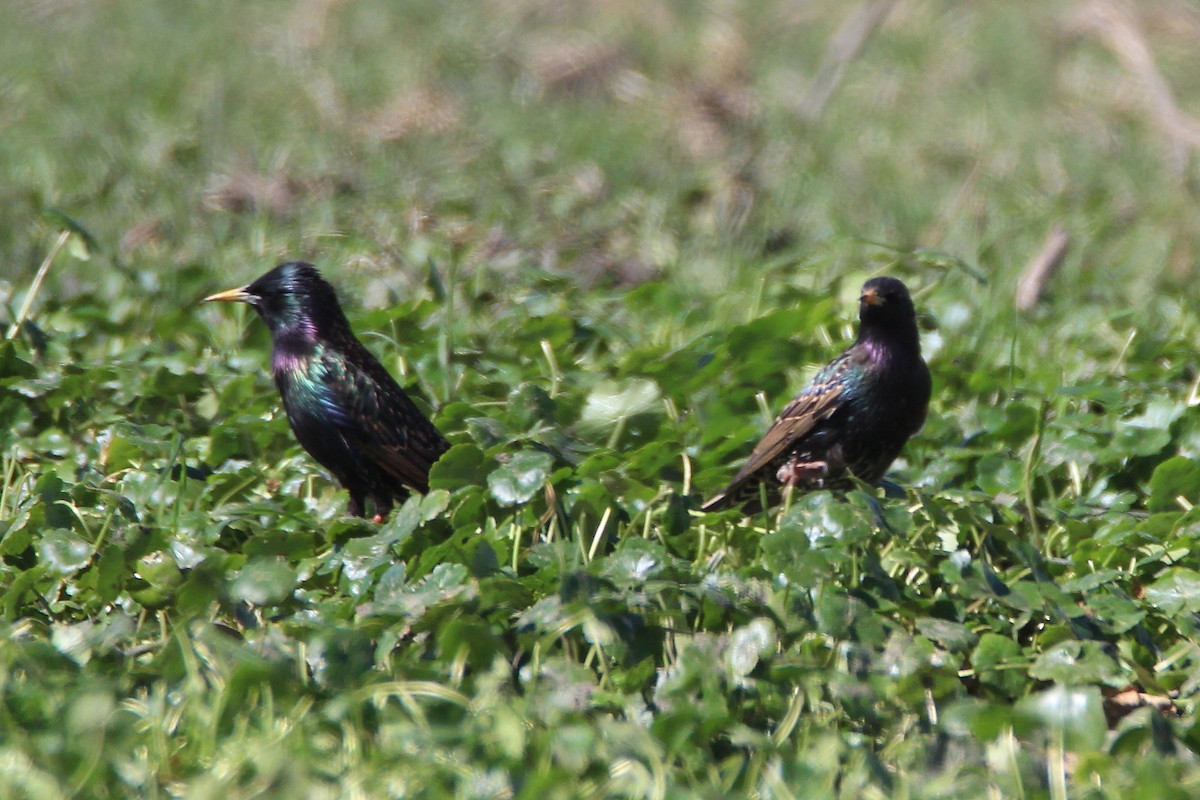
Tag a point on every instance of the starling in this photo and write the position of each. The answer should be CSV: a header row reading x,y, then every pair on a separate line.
x,y
855,415
343,406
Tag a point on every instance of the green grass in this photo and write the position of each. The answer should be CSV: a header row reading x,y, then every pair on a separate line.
x,y
586,237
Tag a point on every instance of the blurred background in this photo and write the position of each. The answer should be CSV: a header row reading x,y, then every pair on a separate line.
x,y
610,142
601,243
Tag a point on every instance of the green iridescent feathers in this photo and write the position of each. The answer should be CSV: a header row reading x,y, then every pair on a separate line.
x,y
345,409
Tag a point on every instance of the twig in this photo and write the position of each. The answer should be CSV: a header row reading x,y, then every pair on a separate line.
x,y
845,45
27,303
1118,704
1041,267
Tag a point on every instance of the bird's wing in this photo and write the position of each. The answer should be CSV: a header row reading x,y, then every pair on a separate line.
x,y
816,403
378,418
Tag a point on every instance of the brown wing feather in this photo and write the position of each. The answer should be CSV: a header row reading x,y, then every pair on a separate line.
x,y
390,429
800,417
817,402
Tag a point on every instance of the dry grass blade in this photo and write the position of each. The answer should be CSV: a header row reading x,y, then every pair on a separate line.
x,y
1041,268
845,46
27,303
1117,27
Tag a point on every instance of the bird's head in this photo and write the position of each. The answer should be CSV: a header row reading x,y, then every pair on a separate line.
x,y
885,302
293,296
887,319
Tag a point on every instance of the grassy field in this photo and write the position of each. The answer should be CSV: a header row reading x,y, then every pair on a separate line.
x,y
600,243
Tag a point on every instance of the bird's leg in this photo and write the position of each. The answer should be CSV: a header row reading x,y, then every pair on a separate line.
x,y
355,507
803,473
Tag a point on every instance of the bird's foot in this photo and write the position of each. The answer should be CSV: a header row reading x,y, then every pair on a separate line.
x,y
810,474
378,518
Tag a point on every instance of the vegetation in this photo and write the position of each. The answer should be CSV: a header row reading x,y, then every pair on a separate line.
x,y
599,242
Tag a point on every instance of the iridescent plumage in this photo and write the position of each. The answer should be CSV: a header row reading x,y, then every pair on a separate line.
x,y
343,406
855,415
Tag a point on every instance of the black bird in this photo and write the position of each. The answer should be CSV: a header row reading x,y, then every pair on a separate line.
x,y
855,415
343,406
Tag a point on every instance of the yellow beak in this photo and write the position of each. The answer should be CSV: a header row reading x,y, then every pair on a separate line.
x,y
870,298
239,295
